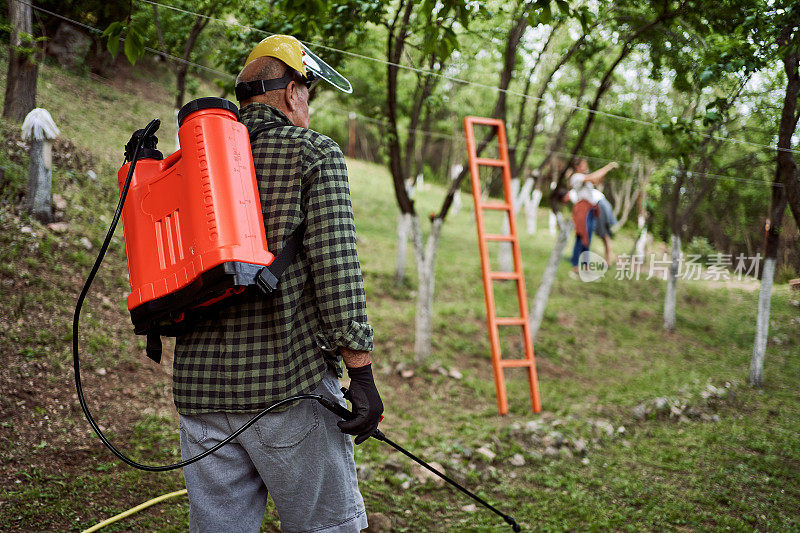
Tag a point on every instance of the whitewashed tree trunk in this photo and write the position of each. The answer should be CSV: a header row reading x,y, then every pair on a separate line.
x,y
532,210
672,285
484,199
505,260
565,227
39,128
455,171
640,246
621,194
762,324
525,193
552,223
628,202
40,178
403,228
457,203
426,261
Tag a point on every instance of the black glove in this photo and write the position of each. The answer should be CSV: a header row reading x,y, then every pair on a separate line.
x,y
367,404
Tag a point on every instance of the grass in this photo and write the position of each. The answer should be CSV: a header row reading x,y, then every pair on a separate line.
x,y
727,462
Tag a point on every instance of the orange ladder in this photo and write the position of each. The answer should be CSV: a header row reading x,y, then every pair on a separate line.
x,y
499,364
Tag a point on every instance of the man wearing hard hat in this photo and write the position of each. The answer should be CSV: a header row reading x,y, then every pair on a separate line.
x,y
261,350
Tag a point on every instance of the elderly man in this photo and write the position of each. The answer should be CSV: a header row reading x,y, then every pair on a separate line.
x,y
263,349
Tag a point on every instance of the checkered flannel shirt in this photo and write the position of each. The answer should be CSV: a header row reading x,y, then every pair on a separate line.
x,y
265,348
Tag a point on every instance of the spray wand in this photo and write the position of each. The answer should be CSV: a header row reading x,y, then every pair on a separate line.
x,y
338,410
332,406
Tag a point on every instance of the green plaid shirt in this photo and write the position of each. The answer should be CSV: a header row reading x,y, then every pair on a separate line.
x,y
265,348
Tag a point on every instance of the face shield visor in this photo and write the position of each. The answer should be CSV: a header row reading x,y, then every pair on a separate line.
x,y
317,69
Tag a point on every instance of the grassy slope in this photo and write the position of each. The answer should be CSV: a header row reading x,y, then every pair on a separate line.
x,y
601,352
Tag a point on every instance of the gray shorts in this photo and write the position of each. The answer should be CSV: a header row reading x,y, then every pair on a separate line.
x,y
298,456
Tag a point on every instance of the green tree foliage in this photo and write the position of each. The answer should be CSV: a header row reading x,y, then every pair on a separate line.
x,y
712,63
128,33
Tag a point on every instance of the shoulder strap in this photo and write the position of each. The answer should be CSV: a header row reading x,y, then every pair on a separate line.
x,y
267,278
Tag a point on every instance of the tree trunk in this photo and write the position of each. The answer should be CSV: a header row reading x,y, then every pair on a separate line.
x,y
403,229
426,261
505,250
543,292
183,68
23,71
395,44
552,223
532,210
160,34
785,178
639,247
762,324
670,297
788,174
630,201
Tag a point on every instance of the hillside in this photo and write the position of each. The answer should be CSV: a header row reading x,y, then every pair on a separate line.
x,y
640,429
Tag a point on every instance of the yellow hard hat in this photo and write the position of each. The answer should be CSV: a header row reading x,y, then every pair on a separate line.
x,y
284,47
297,56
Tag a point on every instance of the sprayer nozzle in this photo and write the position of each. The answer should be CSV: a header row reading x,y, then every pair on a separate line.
x,y
148,148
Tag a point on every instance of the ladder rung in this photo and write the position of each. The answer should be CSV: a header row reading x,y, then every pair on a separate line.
x,y
504,275
500,237
495,205
490,162
515,362
511,321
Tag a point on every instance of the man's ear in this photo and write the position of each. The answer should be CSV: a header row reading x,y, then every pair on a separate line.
x,y
290,96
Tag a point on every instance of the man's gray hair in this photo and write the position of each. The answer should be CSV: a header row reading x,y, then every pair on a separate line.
x,y
263,68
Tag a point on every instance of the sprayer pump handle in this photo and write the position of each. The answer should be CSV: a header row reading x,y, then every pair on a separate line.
x,y
344,413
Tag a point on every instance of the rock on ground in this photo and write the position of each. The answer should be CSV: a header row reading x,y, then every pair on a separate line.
x,y
487,454
378,523
422,474
69,46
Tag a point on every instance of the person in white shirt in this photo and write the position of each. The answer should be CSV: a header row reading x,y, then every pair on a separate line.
x,y
582,187
583,181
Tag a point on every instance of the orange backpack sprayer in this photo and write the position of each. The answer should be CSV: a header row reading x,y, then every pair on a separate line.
x,y
194,232
194,238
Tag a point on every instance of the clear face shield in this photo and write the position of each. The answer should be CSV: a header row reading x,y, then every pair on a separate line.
x,y
318,69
